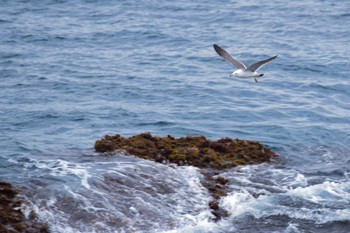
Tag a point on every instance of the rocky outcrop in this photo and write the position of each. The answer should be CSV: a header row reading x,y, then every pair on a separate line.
x,y
12,219
211,156
196,151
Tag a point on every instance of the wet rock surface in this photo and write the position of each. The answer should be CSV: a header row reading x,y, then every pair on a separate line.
x,y
12,218
211,156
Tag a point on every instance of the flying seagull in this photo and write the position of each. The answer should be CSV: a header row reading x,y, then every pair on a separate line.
x,y
242,71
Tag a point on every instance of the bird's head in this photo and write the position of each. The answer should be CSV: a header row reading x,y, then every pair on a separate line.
x,y
234,73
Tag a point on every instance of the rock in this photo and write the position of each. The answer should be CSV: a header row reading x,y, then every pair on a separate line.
x,y
12,219
210,156
192,150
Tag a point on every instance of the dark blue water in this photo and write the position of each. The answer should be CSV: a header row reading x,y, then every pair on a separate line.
x,y
72,72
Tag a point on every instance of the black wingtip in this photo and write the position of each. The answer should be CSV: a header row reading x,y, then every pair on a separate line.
x,y
217,48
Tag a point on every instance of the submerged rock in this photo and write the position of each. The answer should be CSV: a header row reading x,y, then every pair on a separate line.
x,y
12,219
210,156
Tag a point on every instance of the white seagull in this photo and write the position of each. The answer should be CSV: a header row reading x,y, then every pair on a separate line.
x,y
242,71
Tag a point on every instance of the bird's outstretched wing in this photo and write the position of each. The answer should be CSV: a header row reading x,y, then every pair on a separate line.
x,y
227,57
259,64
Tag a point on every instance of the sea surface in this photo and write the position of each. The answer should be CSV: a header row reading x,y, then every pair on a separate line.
x,y
74,71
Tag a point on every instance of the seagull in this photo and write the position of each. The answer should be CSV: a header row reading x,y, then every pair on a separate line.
x,y
242,71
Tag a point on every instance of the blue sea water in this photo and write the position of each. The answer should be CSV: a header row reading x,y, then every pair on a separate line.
x,y
73,71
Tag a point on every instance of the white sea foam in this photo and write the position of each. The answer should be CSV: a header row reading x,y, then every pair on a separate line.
x,y
127,194
201,226
64,168
295,198
134,195
292,228
325,192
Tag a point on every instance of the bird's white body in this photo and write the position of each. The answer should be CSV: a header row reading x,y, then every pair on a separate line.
x,y
246,73
242,71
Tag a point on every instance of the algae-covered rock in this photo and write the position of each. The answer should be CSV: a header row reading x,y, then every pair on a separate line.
x,y
210,156
191,150
12,219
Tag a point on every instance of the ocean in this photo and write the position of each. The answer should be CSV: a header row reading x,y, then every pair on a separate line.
x,y
74,71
